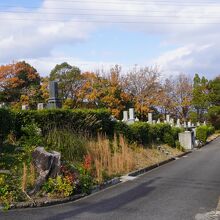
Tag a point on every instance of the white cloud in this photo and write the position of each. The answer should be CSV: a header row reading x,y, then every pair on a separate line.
x,y
196,46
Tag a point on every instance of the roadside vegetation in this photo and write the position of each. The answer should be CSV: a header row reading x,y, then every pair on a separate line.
x,y
95,145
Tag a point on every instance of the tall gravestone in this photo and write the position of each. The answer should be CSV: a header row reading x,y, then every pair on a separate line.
x,y
125,116
131,119
54,101
150,118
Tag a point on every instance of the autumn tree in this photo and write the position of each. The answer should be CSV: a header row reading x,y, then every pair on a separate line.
x,y
180,95
114,98
19,82
143,86
90,92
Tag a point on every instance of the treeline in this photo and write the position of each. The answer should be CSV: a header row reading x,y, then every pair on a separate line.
x,y
181,96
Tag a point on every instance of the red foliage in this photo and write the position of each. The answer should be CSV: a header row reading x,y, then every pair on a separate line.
x,y
69,175
87,165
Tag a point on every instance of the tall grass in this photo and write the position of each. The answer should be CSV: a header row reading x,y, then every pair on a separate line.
x,y
110,158
71,145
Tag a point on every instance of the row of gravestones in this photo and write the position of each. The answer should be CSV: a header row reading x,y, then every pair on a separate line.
x,y
187,139
129,118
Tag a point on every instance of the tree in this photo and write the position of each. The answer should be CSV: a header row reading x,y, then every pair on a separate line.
x,y
89,94
143,86
179,94
214,94
19,82
113,97
103,91
69,79
200,100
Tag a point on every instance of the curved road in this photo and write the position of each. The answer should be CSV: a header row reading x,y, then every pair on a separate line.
x,y
176,191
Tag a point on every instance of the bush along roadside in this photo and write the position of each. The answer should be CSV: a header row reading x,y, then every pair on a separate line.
x,y
203,132
146,134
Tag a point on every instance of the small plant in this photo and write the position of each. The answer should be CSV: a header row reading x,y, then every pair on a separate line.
x,y
59,187
85,177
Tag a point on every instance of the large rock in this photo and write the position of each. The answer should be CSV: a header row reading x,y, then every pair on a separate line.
x,y
47,165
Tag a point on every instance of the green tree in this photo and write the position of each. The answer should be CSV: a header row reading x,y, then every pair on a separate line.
x,y
214,94
200,99
69,79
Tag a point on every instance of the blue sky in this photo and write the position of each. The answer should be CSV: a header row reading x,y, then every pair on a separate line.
x,y
45,33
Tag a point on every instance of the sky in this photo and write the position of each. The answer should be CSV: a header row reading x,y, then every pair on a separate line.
x,y
175,36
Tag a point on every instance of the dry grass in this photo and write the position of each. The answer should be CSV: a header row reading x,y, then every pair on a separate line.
x,y
111,158
24,178
32,176
117,158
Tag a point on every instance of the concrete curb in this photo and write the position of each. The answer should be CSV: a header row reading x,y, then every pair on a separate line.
x,y
44,203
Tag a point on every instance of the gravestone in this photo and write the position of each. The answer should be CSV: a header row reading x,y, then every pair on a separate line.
x,y
125,116
131,119
189,124
168,118
54,101
137,119
150,118
40,106
178,124
2,105
24,107
172,122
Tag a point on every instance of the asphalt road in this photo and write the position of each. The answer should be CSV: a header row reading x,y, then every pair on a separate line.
x,y
176,191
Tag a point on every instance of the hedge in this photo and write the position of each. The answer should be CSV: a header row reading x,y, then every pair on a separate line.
x,y
145,134
90,122
203,132
86,121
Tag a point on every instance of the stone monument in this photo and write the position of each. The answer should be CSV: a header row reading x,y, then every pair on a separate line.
x,y
54,101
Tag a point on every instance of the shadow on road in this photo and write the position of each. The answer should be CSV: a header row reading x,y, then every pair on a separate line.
x,y
110,204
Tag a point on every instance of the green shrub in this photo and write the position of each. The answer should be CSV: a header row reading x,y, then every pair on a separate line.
x,y
139,133
214,116
85,180
144,133
202,133
6,123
